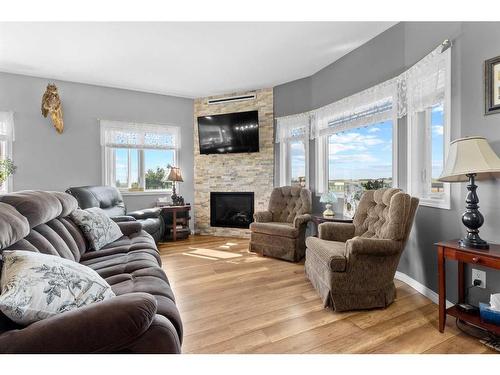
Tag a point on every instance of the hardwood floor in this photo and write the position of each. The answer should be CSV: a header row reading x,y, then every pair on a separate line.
x,y
233,301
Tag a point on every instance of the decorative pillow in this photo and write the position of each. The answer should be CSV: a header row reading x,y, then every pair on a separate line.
x,y
36,286
96,226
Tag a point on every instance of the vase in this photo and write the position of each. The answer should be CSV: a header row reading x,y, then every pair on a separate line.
x,y
328,211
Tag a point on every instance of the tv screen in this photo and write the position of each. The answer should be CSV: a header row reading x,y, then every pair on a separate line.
x,y
229,133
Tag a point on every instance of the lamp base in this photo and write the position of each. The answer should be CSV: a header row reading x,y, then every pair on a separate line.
x,y
472,218
475,244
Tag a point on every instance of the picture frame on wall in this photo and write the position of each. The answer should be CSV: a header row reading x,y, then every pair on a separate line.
x,y
492,86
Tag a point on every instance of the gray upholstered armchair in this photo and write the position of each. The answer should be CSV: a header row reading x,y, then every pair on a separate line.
x,y
280,231
352,266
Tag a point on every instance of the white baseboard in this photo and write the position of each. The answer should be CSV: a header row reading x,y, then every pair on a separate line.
x,y
421,288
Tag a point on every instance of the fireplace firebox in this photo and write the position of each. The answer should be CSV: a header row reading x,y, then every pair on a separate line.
x,y
231,210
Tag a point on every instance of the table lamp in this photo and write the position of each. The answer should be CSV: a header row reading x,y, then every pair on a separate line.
x,y
174,176
470,159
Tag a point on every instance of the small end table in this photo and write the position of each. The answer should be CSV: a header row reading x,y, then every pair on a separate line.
x,y
184,230
318,219
453,251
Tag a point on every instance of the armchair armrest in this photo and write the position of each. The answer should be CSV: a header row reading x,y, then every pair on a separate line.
x,y
147,213
130,227
122,218
373,246
102,327
263,216
301,219
336,231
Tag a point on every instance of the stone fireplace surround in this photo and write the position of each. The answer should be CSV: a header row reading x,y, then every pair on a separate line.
x,y
246,172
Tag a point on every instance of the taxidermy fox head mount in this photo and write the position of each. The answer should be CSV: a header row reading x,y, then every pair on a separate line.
x,y
51,104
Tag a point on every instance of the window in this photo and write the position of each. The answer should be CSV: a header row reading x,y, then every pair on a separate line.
x,y
293,139
361,155
137,156
6,140
429,131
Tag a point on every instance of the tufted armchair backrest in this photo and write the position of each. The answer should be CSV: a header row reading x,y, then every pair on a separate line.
x,y
385,213
286,202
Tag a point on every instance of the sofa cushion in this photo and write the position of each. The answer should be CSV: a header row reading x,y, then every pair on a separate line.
x,y
275,229
36,286
13,225
332,254
97,227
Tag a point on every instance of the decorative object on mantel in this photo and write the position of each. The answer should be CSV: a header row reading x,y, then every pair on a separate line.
x,y
175,176
492,86
51,104
470,159
7,168
329,198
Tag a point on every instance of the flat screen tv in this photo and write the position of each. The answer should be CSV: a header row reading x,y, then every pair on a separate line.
x,y
229,133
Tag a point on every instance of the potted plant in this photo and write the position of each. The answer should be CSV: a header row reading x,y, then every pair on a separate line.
x,y
329,198
7,168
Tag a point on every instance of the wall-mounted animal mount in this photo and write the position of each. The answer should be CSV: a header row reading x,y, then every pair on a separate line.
x,y
51,104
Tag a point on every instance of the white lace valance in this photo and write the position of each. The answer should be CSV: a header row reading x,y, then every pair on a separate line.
x,y
292,127
119,134
370,106
418,88
425,82
6,126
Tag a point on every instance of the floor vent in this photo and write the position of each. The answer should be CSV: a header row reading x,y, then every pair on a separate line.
x,y
230,99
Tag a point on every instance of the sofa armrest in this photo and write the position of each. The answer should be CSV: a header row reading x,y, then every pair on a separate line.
x,y
263,216
301,219
122,218
102,327
336,231
147,213
373,246
130,227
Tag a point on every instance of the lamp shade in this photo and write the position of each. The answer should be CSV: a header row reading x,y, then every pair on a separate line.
x,y
175,174
470,155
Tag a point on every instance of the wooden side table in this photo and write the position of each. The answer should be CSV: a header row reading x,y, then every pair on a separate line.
x,y
452,250
166,211
318,219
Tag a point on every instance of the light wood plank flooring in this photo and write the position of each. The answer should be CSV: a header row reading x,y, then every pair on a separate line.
x,y
233,301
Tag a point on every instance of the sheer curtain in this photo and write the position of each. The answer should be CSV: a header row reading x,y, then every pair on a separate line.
x,y
7,126
117,134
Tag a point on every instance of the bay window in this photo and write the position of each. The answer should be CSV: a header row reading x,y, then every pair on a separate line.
x,y
360,156
293,140
428,117
137,156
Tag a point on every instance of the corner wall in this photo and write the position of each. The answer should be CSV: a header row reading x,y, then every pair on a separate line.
x,y
234,172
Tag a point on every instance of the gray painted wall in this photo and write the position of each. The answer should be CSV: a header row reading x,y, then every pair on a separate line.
x,y
49,161
384,57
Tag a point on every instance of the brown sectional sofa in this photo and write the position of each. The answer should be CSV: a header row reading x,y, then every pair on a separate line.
x,y
142,318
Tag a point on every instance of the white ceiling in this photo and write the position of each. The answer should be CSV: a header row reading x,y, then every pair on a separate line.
x,y
185,59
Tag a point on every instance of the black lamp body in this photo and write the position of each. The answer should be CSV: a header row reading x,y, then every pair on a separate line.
x,y
472,218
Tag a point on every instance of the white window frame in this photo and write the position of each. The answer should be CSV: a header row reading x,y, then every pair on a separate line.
x,y
286,160
7,150
108,157
445,201
322,157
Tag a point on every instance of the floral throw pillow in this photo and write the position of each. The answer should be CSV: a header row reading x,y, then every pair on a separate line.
x,y
36,286
96,226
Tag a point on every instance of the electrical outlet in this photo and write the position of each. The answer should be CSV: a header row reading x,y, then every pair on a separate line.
x,y
479,275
